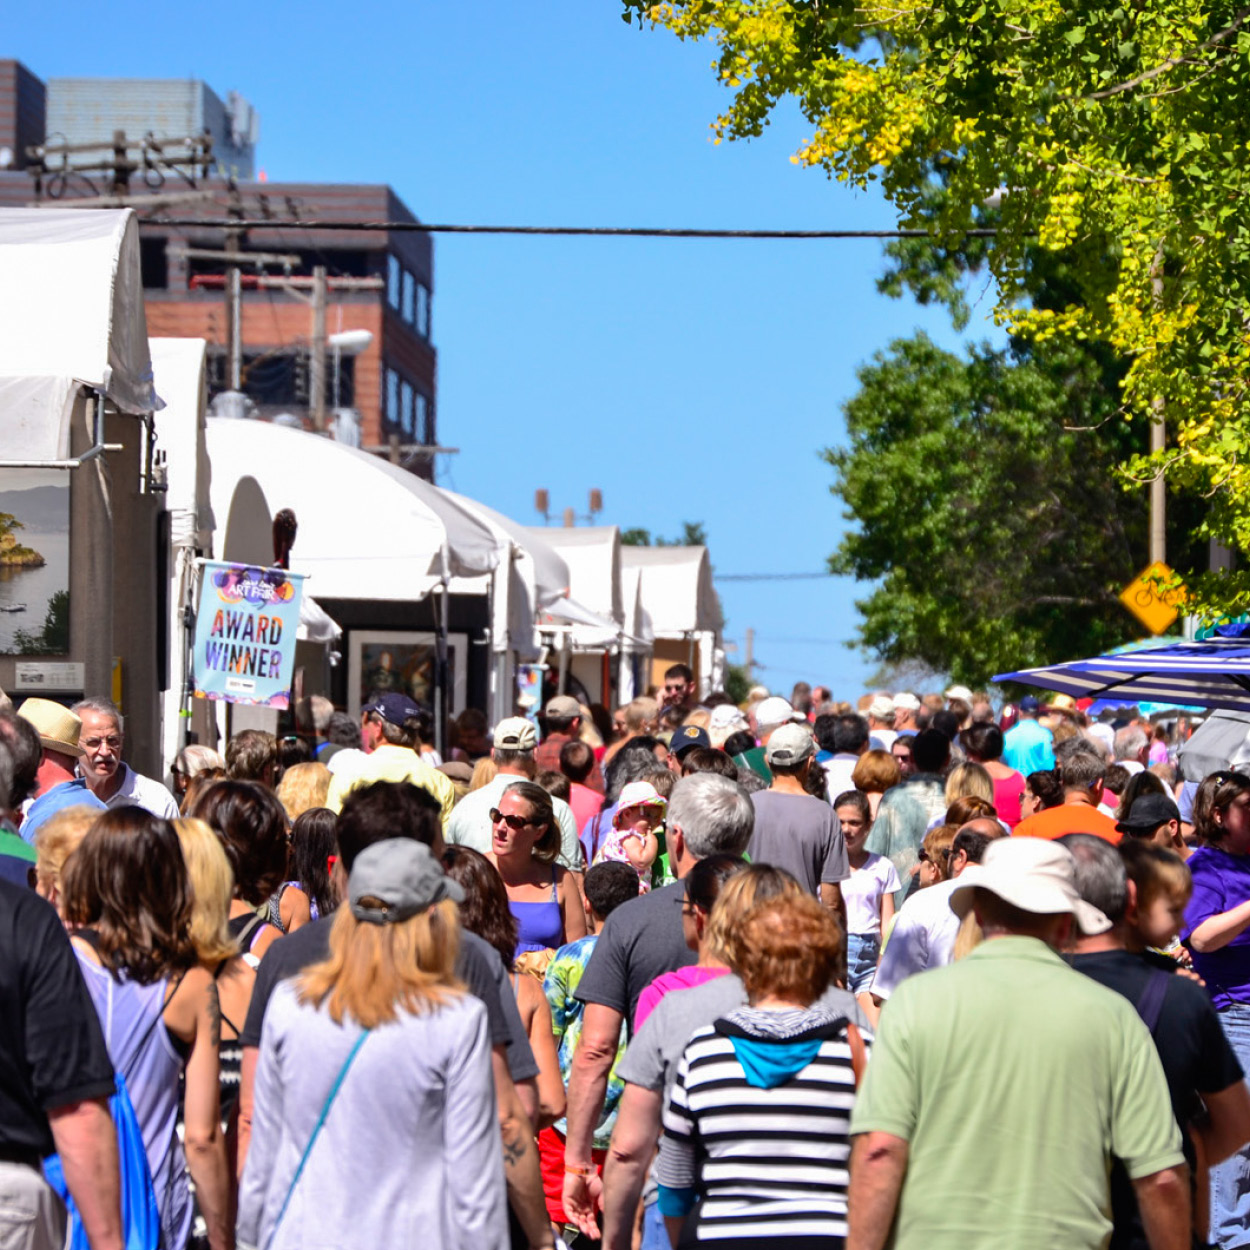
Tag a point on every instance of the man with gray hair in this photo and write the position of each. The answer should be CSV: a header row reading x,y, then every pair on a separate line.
x,y
1132,748
1210,1099
707,815
113,782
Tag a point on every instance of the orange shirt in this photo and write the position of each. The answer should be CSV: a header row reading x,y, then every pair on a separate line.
x,y
1055,822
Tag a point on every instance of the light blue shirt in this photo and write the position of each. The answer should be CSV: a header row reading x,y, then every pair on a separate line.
x,y
1029,748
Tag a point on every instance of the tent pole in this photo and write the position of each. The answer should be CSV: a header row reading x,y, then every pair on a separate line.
x,y
440,669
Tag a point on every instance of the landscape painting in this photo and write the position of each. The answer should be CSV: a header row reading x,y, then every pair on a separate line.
x,y
34,562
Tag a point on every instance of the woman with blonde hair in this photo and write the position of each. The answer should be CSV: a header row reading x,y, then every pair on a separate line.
x,y
483,772
303,787
375,1120
58,838
212,886
969,779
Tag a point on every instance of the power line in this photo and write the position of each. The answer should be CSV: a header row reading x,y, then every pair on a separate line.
x,y
648,232
769,577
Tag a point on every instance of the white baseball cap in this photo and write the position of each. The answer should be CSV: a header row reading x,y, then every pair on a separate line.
x,y
960,692
1033,874
905,701
775,711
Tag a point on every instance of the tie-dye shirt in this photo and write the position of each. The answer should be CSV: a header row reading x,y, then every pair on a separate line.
x,y
560,984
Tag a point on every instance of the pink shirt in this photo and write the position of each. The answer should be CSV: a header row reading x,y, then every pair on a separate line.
x,y
584,801
1008,791
682,979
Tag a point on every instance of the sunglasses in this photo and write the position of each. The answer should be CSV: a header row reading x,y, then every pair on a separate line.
x,y
515,823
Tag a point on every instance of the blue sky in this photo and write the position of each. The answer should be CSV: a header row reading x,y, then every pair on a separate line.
x,y
687,380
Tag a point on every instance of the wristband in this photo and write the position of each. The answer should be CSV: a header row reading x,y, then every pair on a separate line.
x,y
573,1170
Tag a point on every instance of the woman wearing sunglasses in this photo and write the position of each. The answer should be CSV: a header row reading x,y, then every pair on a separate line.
x,y
542,896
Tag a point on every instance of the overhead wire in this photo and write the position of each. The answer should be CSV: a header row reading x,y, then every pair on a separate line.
x,y
649,232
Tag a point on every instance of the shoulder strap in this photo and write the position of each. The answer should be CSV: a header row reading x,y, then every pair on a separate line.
x,y
248,931
1150,1004
859,1052
160,1015
321,1119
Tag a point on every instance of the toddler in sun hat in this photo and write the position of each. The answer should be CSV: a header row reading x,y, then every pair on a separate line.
x,y
634,839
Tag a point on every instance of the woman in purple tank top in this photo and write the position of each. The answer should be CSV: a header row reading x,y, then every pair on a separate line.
x,y
542,896
128,908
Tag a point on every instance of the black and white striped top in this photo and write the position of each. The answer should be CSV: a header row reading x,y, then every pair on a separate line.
x,y
765,1162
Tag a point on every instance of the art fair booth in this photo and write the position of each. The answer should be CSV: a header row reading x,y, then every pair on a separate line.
x,y
585,629
400,565
677,595
82,606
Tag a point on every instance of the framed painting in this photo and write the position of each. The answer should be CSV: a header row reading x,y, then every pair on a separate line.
x,y
392,661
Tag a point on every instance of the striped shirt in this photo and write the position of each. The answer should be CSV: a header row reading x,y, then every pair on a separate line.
x,y
765,1162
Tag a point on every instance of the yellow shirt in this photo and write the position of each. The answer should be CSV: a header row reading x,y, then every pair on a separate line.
x,y
392,763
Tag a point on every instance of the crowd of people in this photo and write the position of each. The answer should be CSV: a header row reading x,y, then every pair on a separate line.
x,y
915,971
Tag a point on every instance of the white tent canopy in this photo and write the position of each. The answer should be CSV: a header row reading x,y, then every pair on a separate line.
x,y
593,555
367,529
72,315
676,589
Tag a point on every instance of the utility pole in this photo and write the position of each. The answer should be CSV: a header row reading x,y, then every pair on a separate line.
x,y
1158,440
234,305
748,656
317,356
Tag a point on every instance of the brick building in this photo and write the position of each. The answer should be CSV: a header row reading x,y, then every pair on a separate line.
x,y
391,383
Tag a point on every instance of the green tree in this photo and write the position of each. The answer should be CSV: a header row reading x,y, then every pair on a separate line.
x,y
988,523
53,638
1113,134
693,534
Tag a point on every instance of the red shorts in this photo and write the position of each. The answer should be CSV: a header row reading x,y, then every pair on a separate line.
x,y
551,1160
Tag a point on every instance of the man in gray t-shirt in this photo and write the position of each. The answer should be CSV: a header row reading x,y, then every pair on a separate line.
x,y
793,830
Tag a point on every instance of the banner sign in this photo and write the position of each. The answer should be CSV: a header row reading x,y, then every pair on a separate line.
x,y
245,633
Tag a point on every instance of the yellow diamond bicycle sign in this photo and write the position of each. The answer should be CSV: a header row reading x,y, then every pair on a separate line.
x,y
1156,611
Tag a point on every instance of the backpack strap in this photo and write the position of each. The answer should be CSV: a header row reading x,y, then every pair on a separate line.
x,y
1150,1004
321,1119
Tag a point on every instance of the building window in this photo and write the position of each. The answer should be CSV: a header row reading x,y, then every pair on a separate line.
x,y
392,396
405,407
425,429
423,310
392,281
406,310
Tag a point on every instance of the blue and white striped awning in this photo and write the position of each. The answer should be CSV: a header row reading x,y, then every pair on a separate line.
x,y
1213,673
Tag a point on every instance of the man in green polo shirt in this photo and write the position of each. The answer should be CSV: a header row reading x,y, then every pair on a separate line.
x,y
1001,1086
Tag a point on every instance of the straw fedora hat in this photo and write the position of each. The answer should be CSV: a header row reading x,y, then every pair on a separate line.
x,y
57,726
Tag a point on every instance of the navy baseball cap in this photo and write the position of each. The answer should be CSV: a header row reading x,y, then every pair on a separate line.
x,y
688,737
1030,704
394,708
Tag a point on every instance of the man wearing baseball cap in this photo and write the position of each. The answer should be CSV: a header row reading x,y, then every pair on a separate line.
x,y
768,715
906,705
515,740
1155,818
793,830
1002,1085
390,732
1029,747
563,720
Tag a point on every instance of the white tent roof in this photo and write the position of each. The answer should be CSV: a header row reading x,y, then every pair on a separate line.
x,y
367,529
593,556
179,368
639,634
72,313
548,573
676,588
